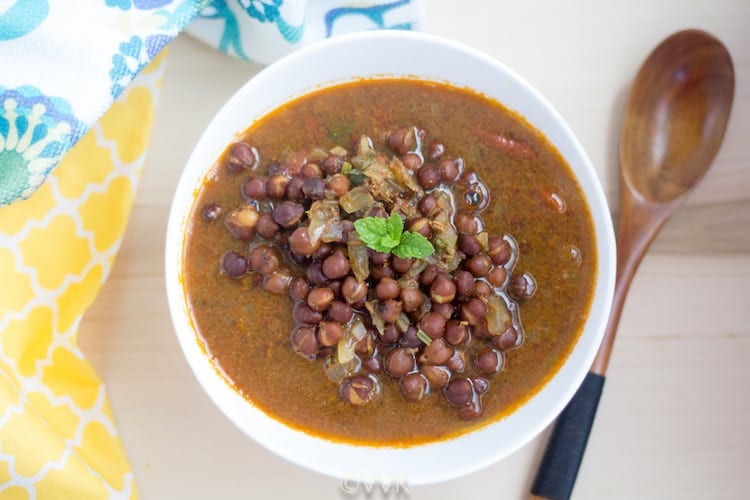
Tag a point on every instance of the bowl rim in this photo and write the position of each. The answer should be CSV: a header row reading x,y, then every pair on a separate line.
x,y
366,462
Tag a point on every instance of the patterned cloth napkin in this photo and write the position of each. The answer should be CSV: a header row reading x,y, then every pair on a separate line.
x,y
78,85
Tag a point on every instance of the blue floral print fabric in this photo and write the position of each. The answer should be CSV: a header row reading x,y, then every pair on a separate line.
x,y
56,81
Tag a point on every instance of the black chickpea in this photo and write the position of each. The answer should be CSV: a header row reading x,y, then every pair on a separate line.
x,y
442,289
428,176
332,164
387,288
278,282
315,275
399,362
410,338
445,309
420,225
294,189
436,352
506,340
522,286
340,311
336,266
305,341
401,265
465,222
412,161
390,334
329,333
264,259
303,313
479,265
288,214
448,170
276,186
464,284
210,212
320,298
482,289
314,188
437,376
427,206
234,265
311,170
497,276
372,364
459,392
267,228
339,184
241,156
413,386
433,324
456,332
256,188
499,250
299,289
242,222
358,390
390,310
473,310
469,244
402,140
429,274
323,251
353,291
489,361
411,298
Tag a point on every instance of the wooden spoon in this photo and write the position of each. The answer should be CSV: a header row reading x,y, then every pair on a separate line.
x,y
674,123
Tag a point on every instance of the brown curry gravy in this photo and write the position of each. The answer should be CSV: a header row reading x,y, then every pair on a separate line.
x,y
245,330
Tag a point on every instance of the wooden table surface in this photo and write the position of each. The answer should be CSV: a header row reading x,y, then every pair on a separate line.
x,y
674,420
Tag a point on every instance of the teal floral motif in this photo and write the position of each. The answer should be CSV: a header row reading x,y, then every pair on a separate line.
x,y
132,58
35,131
268,12
22,17
374,13
230,40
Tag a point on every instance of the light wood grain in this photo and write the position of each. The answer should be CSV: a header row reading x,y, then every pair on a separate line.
x,y
674,421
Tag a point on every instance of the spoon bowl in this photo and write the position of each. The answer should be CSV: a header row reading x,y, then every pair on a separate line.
x,y
676,116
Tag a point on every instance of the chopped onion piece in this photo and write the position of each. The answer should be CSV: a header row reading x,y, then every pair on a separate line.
x,y
358,198
377,319
337,371
359,260
404,177
498,316
324,216
339,150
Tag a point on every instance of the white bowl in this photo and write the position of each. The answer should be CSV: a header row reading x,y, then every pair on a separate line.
x,y
374,54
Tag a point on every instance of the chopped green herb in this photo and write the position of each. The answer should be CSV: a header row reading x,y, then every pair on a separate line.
x,y
387,235
413,245
421,335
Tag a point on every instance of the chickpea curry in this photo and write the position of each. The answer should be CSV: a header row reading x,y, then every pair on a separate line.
x,y
389,262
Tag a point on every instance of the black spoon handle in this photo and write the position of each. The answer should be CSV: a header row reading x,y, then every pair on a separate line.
x,y
559,468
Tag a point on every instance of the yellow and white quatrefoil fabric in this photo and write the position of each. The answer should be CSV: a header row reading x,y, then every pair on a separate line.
x,y
57,435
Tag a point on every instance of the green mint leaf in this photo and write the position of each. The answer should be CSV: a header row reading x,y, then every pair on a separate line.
x,y
395,227
413,245
389,242
371,231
